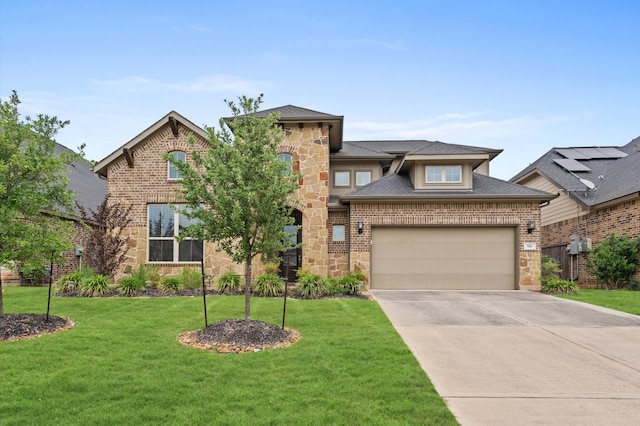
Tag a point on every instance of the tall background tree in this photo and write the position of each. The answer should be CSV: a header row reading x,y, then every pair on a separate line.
x,y
239,192
33,189
106,247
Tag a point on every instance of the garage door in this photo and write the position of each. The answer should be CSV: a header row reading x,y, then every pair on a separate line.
x,y
462,258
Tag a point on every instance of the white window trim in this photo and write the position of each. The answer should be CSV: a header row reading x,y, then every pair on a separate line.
x,y
443,175
364,171
335,180
169,165
176,244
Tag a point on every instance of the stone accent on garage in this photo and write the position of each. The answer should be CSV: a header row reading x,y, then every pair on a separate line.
x,y
476,213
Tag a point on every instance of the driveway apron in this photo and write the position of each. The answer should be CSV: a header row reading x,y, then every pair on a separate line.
x,y
522,358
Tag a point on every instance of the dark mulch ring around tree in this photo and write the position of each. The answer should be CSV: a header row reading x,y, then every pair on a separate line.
x,y
26,326
237,336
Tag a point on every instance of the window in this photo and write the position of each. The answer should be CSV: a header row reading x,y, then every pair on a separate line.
x,y
341,179
177,156
163,247
444,174
363,178
287,158
338,233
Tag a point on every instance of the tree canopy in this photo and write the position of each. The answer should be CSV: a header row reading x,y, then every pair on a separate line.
x,y
238,191
33,188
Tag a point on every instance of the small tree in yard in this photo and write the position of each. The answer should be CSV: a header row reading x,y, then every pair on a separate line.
x,y
238,190
33,187
615,260
106,247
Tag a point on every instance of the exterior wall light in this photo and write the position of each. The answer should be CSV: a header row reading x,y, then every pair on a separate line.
x,y
360,226
531,226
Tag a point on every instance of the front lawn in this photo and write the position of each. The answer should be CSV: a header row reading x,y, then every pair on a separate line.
x,y
621,300
122,364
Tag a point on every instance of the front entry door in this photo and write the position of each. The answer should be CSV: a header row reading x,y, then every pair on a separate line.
x,y
292,258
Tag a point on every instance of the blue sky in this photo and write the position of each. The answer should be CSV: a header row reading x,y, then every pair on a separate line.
x,y
523,76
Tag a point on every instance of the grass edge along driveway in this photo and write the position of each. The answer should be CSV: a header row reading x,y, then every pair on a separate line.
x,y
122,364
621,300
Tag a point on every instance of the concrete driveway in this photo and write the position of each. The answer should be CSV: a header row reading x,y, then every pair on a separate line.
x,y
520,358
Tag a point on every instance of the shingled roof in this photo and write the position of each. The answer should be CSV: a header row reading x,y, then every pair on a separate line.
x,y
397,186
90,188
614,175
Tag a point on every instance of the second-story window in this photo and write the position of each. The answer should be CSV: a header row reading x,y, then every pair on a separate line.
x,y
341,179
177,156
443,174
363,178
288,159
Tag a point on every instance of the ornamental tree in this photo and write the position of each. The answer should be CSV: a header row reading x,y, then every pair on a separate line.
x,y
33,189
106,247
238,191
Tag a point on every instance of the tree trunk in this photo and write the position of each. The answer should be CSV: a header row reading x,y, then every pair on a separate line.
x,y
247,289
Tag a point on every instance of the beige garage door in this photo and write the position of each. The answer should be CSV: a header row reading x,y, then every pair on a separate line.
x,y
462,258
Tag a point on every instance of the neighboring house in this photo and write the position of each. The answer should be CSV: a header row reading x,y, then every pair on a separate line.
x,y
410,214
599,194
90,191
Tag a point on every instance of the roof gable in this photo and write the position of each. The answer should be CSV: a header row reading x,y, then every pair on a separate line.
x,y
172,119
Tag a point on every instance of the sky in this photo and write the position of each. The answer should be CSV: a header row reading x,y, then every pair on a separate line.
x,y
521,76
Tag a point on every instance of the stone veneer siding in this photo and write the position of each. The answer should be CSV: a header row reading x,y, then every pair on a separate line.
x,y
452,213
623,219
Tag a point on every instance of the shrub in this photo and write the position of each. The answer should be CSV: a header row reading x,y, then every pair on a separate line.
x,y
229,282
615,260
191,278
351,284
313,286
130,286
95,285
72,281
268,285
302,272
550,269
170,284
144,273
271,268
558,286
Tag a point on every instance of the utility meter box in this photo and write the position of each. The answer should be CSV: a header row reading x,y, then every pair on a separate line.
x,y
585,245
574,244
79,251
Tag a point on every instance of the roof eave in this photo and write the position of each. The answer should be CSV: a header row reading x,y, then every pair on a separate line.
x,y
448,197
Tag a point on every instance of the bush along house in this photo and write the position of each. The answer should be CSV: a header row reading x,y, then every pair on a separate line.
x,y
411,214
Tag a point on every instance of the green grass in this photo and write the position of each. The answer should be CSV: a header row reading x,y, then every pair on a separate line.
x,y
621,300
122,364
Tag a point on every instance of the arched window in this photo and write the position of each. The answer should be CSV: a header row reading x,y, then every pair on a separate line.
x,y
177,156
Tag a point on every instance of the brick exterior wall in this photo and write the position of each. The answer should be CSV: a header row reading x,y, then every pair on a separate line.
x,y
455,214
338,250
621,219
147,182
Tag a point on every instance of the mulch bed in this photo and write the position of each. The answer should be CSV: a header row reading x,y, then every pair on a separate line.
x,y
26,326
235,336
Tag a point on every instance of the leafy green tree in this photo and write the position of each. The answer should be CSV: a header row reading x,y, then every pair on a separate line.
x,y
615,260
238,190
33,189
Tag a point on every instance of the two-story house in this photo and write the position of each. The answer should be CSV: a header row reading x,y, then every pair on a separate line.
x,y
410,214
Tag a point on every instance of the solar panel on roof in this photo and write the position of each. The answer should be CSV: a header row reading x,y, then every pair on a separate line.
x,y
612,152
591,153
572,153
571,165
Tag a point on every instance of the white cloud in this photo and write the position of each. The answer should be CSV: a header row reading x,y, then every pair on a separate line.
x,y
209,83
463,128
